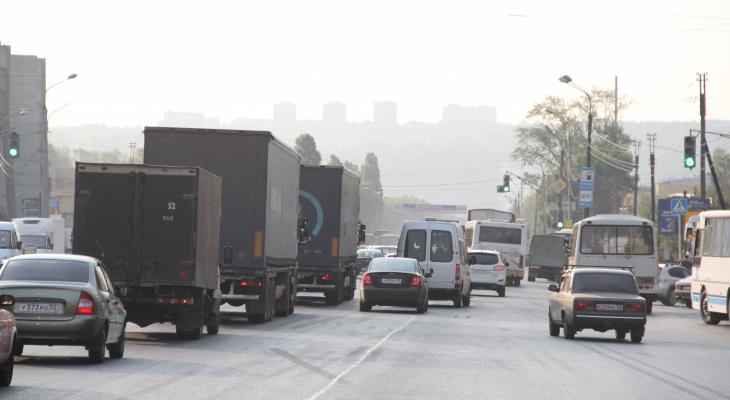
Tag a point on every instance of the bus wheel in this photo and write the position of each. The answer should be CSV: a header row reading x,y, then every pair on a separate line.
x,y
708,316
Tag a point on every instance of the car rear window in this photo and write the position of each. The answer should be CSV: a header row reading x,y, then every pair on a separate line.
x,y
46,270
604,283
485,258
389,264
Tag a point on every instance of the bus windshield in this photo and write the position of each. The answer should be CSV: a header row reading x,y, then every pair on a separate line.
x,y
623,239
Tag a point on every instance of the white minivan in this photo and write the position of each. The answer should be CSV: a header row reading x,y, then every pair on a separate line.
x,y
10,243
441,249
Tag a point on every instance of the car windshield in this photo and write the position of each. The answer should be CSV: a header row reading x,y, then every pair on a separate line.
x,y
369,253
35,241
46,270
604,283
482,258
389,264
4,239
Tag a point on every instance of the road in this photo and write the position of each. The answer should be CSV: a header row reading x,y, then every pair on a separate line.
x,y
497,347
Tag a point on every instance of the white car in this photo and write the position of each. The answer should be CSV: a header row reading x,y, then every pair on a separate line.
x,y
488,271
668,276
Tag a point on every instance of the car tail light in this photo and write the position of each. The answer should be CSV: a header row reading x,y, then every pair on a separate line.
x,y
416,281
458,273
634,307
86,304
500,268
366,279
585,305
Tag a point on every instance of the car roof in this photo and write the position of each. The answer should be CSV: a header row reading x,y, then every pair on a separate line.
x,y
53,256
483,252
600,271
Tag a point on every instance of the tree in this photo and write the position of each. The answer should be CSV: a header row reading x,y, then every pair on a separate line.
x,y
334,160
371,192
306,147
352,167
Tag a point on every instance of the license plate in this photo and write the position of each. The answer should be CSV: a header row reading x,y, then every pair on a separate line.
x,y
479,272
610,307
40,308
390,280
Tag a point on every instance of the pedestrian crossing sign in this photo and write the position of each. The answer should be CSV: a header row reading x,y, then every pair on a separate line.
x,y
679,206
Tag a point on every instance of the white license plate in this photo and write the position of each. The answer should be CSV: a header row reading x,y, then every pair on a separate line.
x,y
390,280
610,307
479,272
40,308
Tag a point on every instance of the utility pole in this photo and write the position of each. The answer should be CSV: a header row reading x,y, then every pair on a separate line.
x,y
702,78
652,137
637,144
132,148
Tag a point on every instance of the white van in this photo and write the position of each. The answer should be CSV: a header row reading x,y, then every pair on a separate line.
x,y
10,241
440,248
46,235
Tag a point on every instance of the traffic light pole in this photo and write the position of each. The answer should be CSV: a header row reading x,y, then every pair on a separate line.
x,y
712,169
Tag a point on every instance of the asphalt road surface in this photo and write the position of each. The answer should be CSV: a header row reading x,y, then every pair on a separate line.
x,y
496,348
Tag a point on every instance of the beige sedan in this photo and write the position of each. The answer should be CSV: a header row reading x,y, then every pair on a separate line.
x,y
601,299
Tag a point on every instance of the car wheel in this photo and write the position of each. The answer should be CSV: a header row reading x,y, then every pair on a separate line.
x,y
620,334
665,302
466,300
116,350
97,350
457,302
530,278
637,334
500,291
568,330
18,351
554,328
708,316
364,307
649,307
421,309
6,370
688,303
671,300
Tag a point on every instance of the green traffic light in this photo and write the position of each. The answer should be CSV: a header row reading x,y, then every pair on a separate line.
x,y
689,162
506,189
560,225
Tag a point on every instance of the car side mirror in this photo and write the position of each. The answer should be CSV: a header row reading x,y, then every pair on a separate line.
x,y
553,288
428,275
19,245
7,300
228,255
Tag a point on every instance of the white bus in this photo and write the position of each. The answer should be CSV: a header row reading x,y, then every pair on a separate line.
x,y
711,271
510,239
619,241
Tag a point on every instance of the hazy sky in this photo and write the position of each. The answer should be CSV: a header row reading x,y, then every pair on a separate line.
x,y
137,59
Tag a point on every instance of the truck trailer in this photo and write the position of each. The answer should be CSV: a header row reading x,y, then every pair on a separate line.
x,y
548,257
157,231
259,218
329,198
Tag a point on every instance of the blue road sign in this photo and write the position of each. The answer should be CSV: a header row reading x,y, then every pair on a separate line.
x,y
679,206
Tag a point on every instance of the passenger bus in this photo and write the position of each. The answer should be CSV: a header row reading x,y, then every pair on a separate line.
x,y
711,270
619,241
510,239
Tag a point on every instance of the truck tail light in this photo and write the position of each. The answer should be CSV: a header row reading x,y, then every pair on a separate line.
x,y
86,304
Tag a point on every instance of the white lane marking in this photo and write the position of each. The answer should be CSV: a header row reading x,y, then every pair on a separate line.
x,y
359,361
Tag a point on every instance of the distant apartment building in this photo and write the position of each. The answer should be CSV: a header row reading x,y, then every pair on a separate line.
x,y
457,113
334,112
285,112
385,112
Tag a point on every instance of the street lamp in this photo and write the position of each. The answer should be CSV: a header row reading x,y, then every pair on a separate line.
x,y
21,111
567,79
72,76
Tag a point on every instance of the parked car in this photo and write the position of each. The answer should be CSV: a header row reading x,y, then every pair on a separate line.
x,y
64,299
394,281
600,299
8,337
668,276
363,258
488,270
682,291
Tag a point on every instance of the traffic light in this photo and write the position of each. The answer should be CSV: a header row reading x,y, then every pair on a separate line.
x,y
504,187
14,149
689,152
558,225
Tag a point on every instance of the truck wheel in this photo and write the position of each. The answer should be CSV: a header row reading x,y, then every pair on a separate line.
x,y
213,326
688,303
292,293
335,298
530,278
282,305
271,300
349,293
517,281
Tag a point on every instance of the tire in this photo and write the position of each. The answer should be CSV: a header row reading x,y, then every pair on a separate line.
x,y
517,282
292,293
214,326
97,352
708,317
568,331
554,328
530,278
335,298
422,308
620,334
116,350
649,307
457,301
194,334
637,334
6,370
18,351
256,318
349,292
688,303
671,300
466,300
500,291
282,308
365,307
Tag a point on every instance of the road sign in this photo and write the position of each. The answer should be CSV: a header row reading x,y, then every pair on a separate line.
x,y
565,201
587,177
560,185
667,222
586,198
679,206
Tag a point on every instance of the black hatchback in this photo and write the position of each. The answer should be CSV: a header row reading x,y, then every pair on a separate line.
x,y
394,281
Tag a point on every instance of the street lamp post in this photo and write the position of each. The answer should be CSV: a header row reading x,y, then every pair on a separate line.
x,y
567,79
43,207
